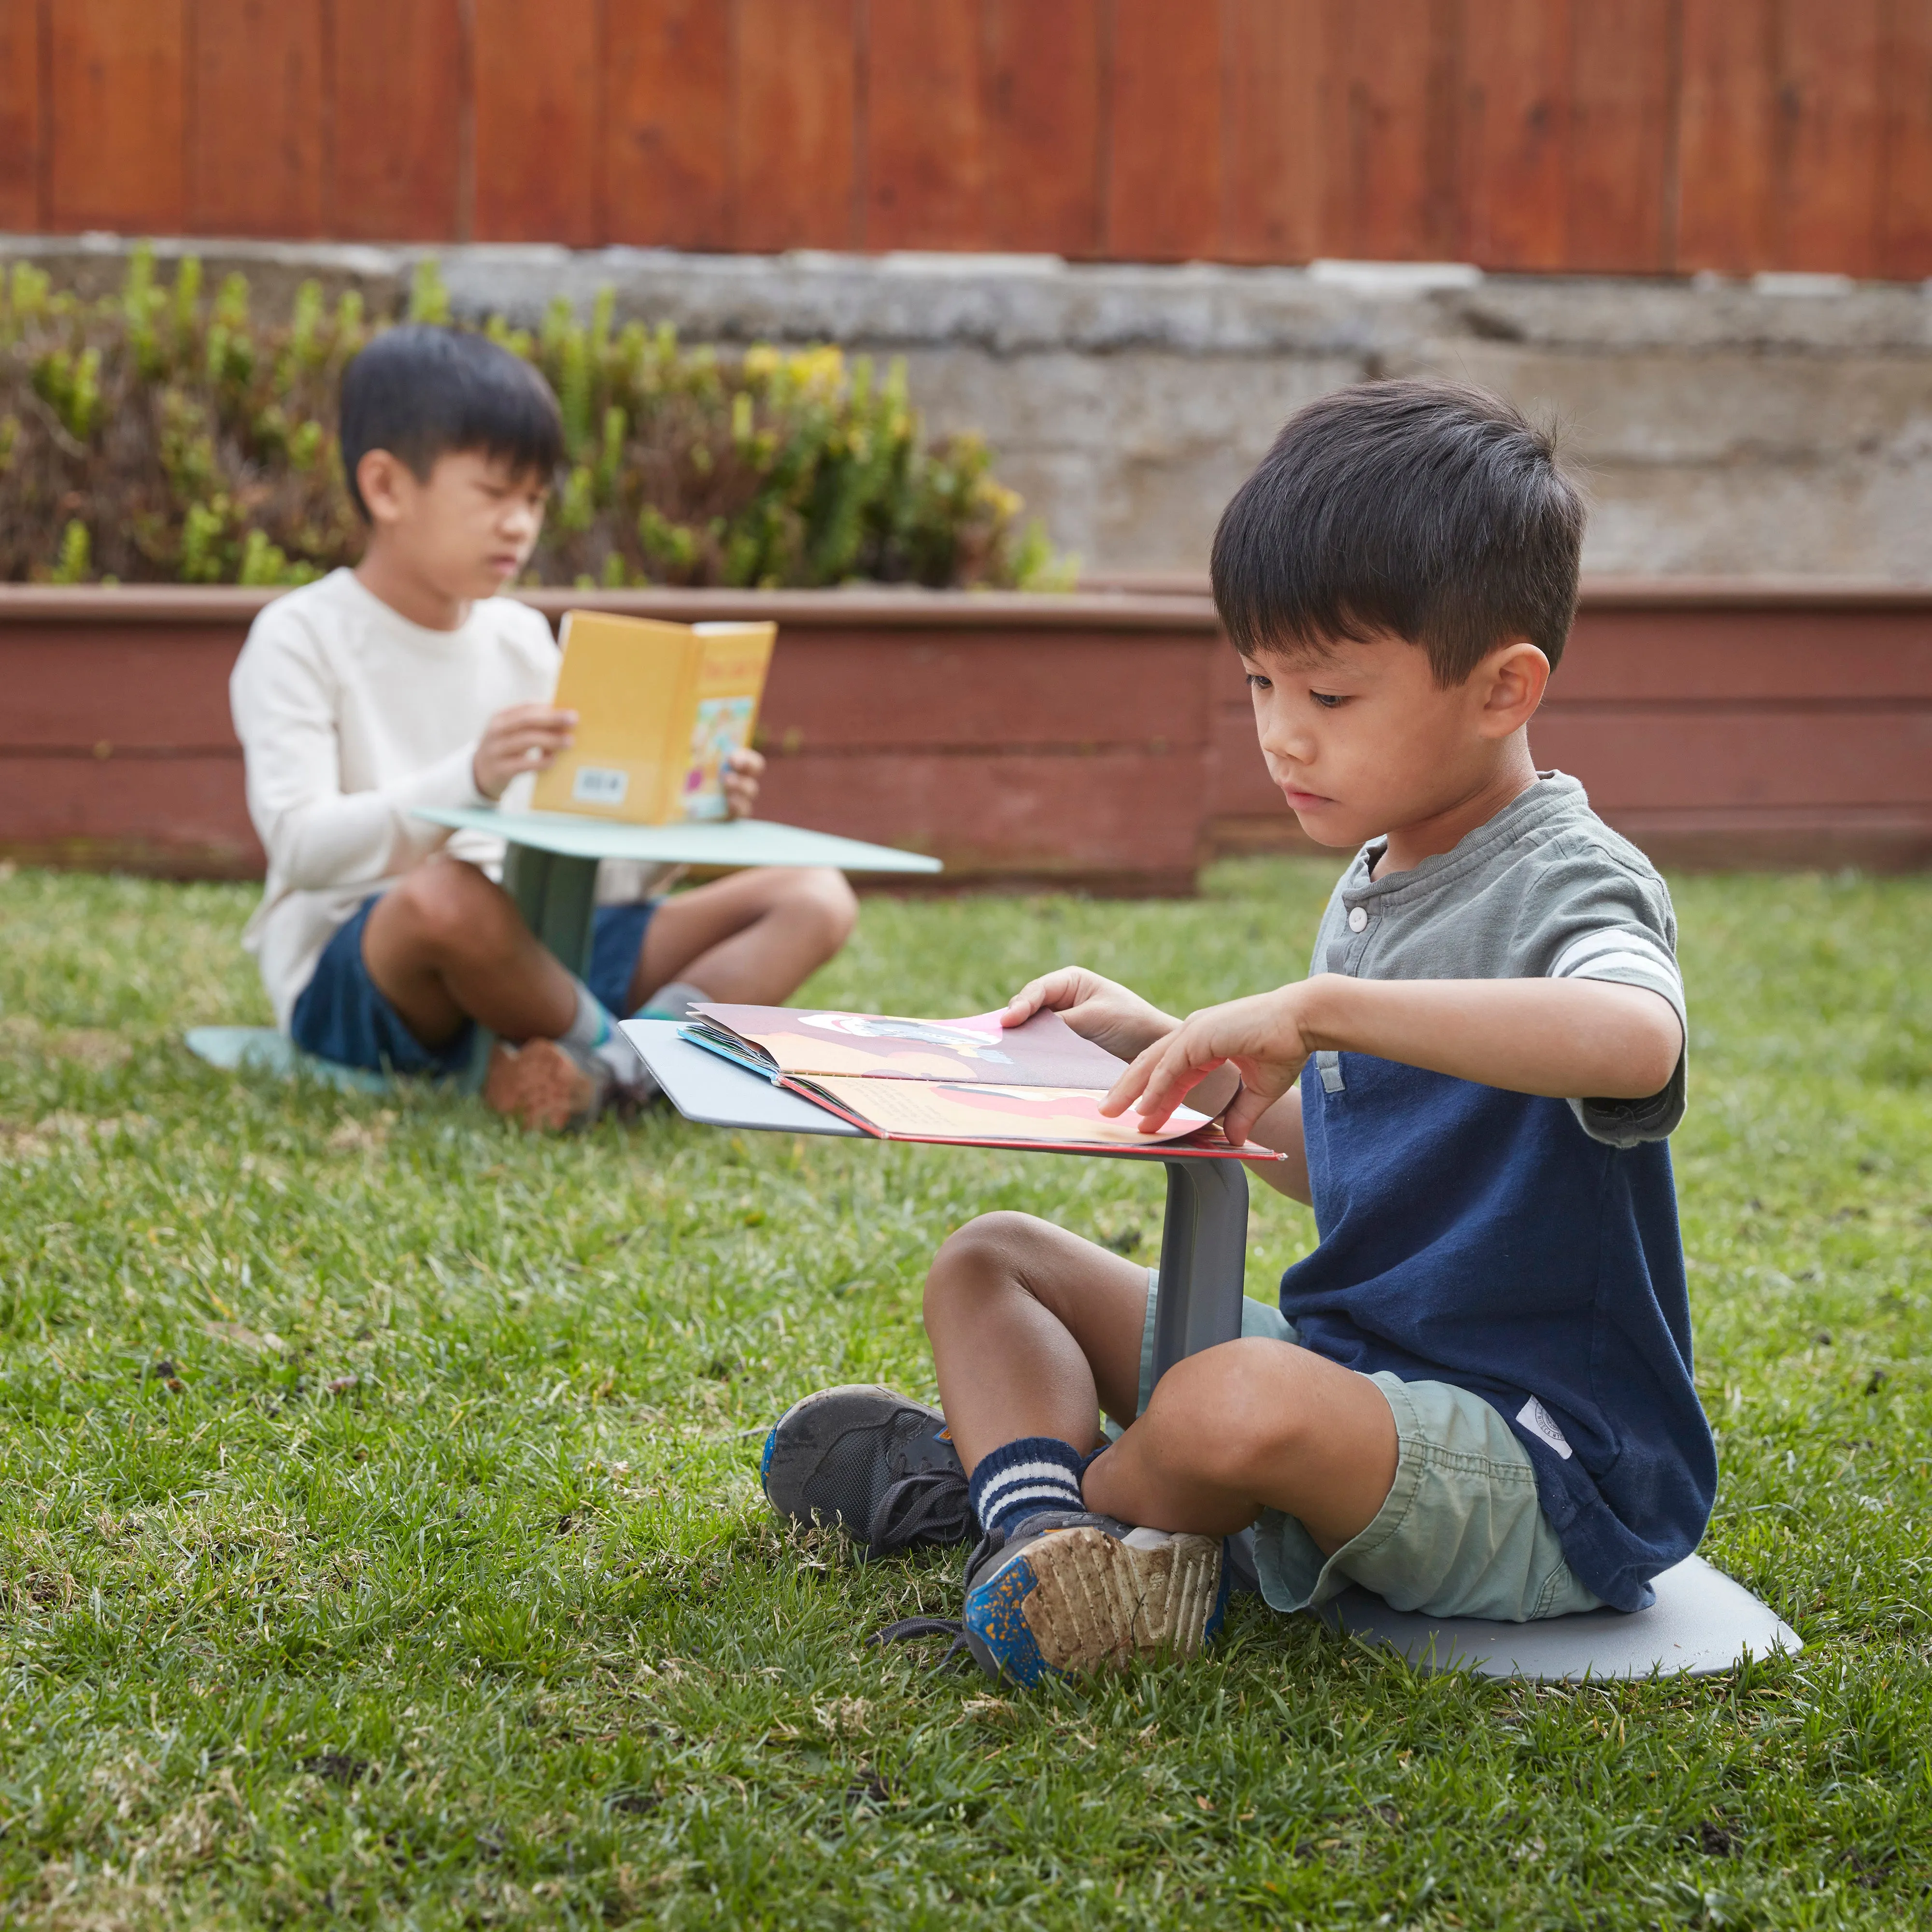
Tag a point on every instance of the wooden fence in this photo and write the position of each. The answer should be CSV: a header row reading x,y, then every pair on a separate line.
x,y
1595,136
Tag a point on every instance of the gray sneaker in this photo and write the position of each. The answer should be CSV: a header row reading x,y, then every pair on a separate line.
x,y
878,1462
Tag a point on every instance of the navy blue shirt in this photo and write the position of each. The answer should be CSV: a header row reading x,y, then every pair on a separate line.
x,y
1525,1249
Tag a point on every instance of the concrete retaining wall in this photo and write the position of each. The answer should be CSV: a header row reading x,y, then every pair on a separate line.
x,y
1724,428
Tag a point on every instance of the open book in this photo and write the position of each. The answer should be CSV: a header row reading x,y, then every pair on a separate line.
x,y
970,1082
660,707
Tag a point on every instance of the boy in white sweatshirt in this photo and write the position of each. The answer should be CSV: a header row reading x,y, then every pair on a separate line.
x,y
409,681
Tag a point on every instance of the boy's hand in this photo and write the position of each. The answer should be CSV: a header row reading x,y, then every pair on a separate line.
x,y
1108,1015
742,770
521,738
1262,1038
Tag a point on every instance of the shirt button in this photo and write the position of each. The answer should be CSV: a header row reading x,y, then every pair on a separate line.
x,y
1358,918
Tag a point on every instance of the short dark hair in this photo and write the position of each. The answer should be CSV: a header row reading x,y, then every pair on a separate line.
x,y
421,392
1422,510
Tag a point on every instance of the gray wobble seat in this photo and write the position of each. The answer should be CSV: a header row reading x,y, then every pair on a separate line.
x,y
1702,1623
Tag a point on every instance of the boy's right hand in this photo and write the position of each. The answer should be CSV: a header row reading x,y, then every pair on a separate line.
x,y
521,738
1098,1009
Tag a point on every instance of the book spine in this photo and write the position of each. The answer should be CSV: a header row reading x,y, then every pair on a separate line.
x,y
806,1091
678,724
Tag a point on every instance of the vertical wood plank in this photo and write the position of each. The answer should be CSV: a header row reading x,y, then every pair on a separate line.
x,y
1828,134
398,80
539,122
115,120
1390,191
925,164
1623,124
1042,82
255,149
1163,187
669,164
794,132
1905,191
1724,144
21,128
1516,133
1271,157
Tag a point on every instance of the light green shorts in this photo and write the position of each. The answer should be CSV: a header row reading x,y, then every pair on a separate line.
x,y
1460,1533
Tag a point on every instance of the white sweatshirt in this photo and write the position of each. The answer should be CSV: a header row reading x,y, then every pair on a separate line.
x,y
349,716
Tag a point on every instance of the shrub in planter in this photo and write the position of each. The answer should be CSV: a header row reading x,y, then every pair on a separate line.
x,y
162,435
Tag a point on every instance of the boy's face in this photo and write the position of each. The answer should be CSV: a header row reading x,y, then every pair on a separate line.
x,y
1362,740
466,529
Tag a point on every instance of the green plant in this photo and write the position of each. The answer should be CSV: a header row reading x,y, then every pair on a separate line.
x,y
196,442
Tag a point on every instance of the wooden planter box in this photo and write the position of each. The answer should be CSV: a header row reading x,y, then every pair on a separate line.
x,y
1100,741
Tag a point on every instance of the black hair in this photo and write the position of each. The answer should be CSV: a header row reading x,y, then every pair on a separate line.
x,y
1426,510
421,392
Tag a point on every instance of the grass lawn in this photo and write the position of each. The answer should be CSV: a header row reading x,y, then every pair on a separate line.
x,y
380,1537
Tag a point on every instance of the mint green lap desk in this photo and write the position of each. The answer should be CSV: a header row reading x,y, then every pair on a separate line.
x,y
549,867
550,870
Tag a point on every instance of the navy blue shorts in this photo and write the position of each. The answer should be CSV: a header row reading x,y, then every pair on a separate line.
x,y
343,1015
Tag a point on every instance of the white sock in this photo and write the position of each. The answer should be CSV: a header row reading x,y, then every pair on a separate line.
x,y
676,998
593,1034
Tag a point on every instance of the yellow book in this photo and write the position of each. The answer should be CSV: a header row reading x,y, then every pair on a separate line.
x,y
659,708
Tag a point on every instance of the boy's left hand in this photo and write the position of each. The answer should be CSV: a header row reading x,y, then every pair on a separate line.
x,y
1262,1038
742,770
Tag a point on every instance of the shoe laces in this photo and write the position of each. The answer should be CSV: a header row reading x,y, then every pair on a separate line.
x,y
929,1506
911,1629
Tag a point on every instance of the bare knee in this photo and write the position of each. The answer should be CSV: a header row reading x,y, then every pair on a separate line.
x,y
825,901
452,908
1232,1410
986,1254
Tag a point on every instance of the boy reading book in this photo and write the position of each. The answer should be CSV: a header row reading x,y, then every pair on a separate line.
x,y
409,682
1475,1396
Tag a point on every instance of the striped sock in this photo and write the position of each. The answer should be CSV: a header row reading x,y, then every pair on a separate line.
x,y
1037,1473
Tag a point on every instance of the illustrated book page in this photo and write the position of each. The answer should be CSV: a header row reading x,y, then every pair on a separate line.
x,y
1044,1052
969,1081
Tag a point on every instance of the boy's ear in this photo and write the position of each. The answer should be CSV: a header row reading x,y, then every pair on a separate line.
x,y
1514,677
384,480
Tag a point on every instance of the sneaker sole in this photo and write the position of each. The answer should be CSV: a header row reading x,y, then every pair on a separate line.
x,y
1079,1601
539,1086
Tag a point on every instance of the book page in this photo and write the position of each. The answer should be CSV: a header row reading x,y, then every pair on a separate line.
x,y
1044,1052
947,1111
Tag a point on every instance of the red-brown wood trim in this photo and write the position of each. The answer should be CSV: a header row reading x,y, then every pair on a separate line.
x,y
1170,606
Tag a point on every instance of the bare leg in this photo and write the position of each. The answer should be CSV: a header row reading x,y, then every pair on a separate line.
x,y
1250,1423
445,944
753,937
1034,1332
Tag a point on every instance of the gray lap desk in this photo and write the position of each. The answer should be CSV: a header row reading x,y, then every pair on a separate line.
x,y
1702,1622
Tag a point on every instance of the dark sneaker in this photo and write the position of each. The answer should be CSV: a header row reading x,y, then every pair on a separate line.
x,y
1069,1593
882,1464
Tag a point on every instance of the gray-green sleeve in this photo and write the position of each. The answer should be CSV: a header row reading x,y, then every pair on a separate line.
x,y
1607,922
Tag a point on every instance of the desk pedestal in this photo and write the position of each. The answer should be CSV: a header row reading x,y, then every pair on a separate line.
x,y
1203,1253
557,896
